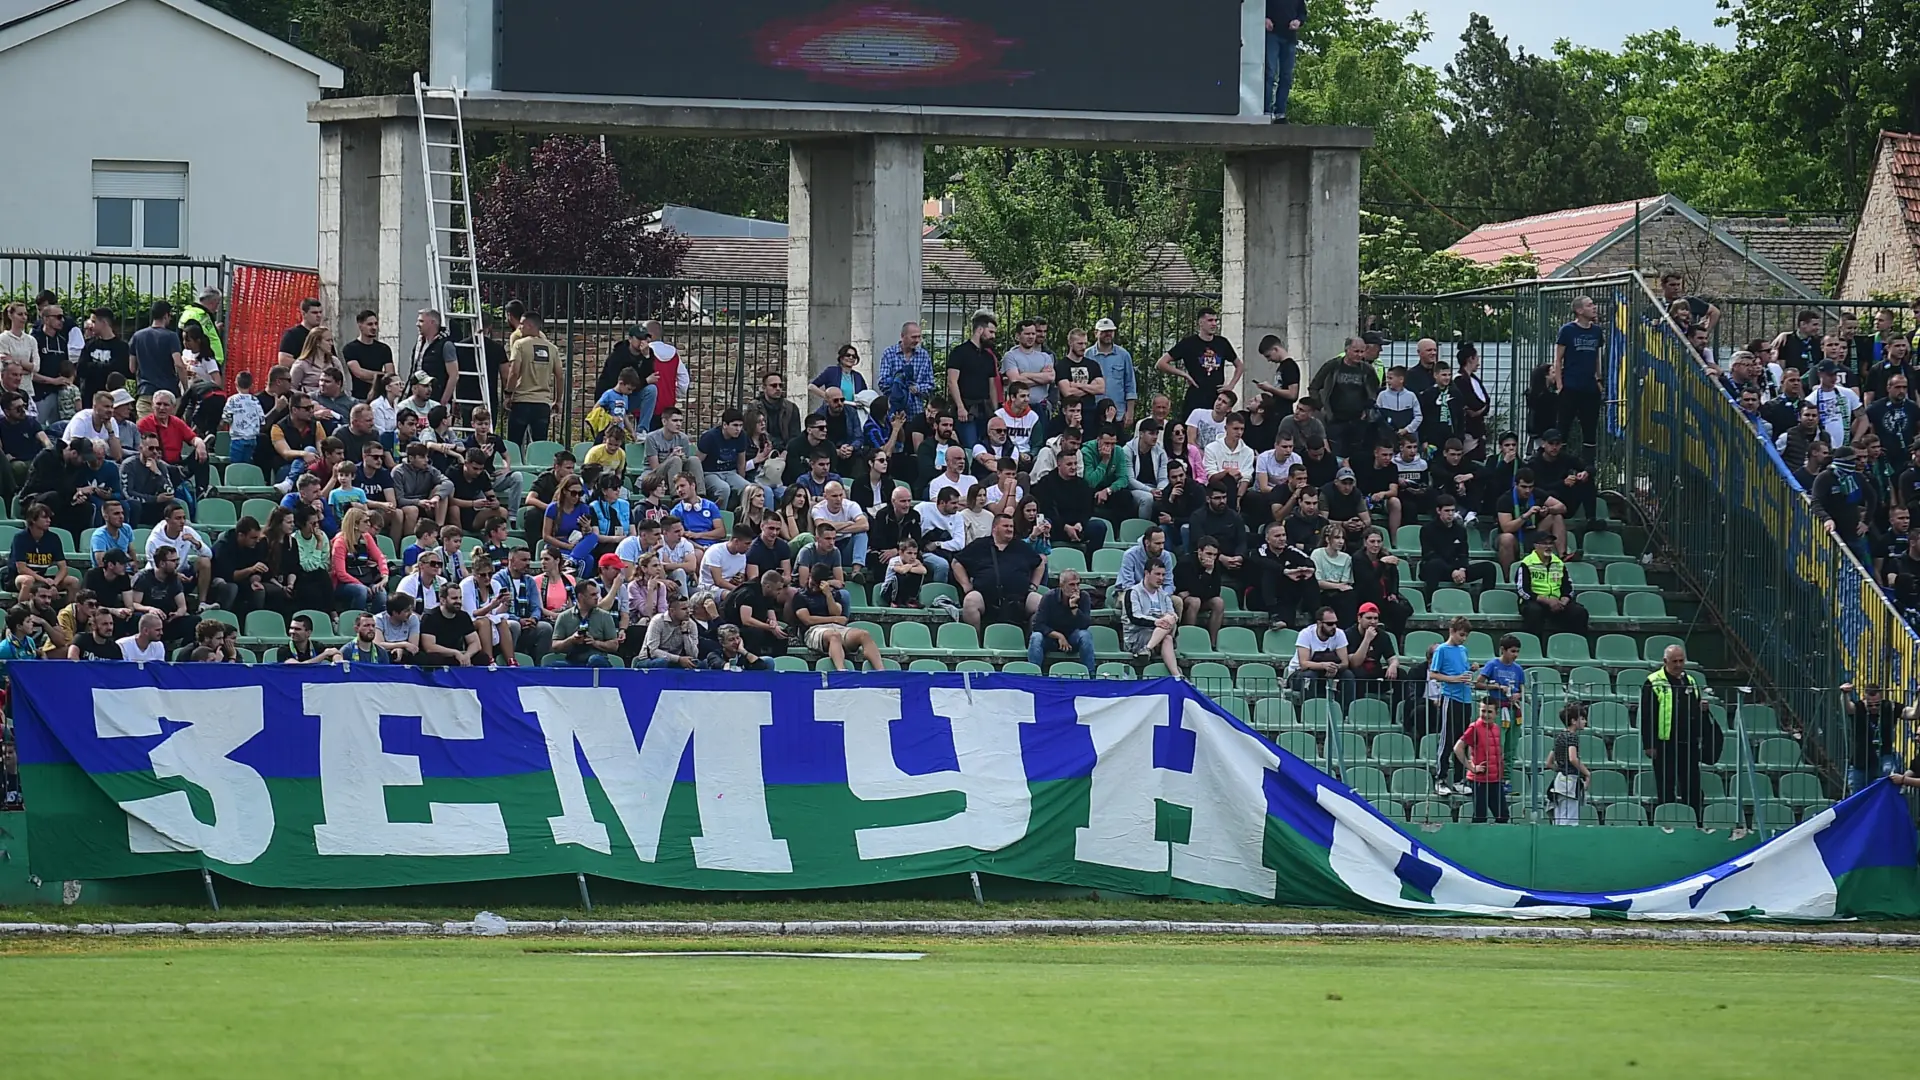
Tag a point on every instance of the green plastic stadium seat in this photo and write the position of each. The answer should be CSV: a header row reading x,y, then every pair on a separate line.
x,y
1712,787
1211,678
1429,811
1608,718
1567,648
1279,643
1593,750
932,591
1654,649
928,666
1417,602
215,513
1393,748
1257,677
1069,669
1350,750
1778,755
1005,641
789,663
1616,649
1392,809
1546,682
1776,815
1625,813
1112,670
1723,814
1626,575
1020,667
1801,789
1275,714
1106,562
975,667
910,637
1759,720
263,629
1630,752
1239,643
1132,529
1607,786
1599,605
1407,539
244,478
1414,783
221,615
1499,603
1589,683
1367,782
1194,643
1480,647
1064,559
539,455
1603,544
1300,744
1369,715
1645,607
1418,642
1235,705
1155,670
1318,714
1583,575
1675,816
1450,602
1531,650
957,639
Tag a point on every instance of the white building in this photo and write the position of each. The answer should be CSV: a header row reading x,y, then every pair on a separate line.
x,y
157,127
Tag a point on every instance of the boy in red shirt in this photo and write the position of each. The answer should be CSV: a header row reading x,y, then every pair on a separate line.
x,y
1479,750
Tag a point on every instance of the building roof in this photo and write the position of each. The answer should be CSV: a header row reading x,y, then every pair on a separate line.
x,y
1800,246
947,264
1564,241
1552,239
22,21
1905,152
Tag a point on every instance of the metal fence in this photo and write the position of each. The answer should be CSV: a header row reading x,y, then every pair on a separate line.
x,y
127,286
730,332
1744,320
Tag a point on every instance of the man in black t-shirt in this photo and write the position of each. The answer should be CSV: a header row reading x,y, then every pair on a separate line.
x,y
447,637
1080,380
1345,504
997,575
367,357
473,493
973,381
1202,359
295,337
756,609
159,590
769,551
104,355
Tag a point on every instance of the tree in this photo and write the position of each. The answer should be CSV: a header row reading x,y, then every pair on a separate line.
x,y
1041,218
1394,261
379,44
565,213
1528,136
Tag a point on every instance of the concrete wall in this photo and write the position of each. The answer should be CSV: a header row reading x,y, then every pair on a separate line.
x,y
1884,257
1290,259
1672,242
143,82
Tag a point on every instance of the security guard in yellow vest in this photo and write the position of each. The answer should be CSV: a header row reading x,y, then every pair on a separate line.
x,y
207,313
1676,729
1546,595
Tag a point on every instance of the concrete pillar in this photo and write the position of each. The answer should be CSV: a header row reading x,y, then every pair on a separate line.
x,y
1290,263
855,219
403,284
349,221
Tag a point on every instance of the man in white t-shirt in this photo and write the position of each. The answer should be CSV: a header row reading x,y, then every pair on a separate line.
x,y
1203,427
1837,404
1319,664
955,476
100,425
147,644
722,569
1270,468
849,521
943,512
678,555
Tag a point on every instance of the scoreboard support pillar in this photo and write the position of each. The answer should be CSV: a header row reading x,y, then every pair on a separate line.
x,y
855,219
1290,259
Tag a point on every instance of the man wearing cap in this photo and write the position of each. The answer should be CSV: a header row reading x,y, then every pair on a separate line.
x,y
1346,505
630,352
1562,476
1837,404
1120,383
1577,354
1845,503
1546,593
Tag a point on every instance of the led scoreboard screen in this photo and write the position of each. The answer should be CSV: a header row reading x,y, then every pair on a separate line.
x,y
1077,56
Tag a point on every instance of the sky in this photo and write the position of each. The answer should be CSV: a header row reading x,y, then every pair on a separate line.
x,y
1535,24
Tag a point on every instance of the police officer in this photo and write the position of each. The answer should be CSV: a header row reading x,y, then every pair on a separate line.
x,y
1678,732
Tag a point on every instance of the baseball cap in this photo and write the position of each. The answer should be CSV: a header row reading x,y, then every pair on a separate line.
x,y
1344,474
615,561
1104,324
636,330
1369,609
421,378
1552,435
1542,537
1827,367
1374,337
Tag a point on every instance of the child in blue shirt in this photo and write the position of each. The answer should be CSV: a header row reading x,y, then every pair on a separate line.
x,y
1451,669
1504,681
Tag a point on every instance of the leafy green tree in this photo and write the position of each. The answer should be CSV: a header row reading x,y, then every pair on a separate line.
x,y
1528,137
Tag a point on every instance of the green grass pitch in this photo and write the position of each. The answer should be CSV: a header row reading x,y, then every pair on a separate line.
x,y
1092,1007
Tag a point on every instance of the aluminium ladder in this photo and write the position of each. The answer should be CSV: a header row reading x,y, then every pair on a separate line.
x,y
453,258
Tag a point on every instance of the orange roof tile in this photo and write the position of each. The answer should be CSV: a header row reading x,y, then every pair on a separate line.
x,y
1905,154
1553,239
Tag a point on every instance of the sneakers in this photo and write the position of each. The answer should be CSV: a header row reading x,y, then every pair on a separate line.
x,y
1442,789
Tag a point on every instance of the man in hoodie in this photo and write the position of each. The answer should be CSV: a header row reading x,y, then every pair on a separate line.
x,y
1349,388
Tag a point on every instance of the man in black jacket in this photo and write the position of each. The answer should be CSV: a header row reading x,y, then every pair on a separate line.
x,y
56,477
1067,501
1903,581
1562,476
1843,501
1444,559
1219,520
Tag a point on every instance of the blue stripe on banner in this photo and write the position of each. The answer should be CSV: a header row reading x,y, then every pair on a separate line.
x,y
1871,829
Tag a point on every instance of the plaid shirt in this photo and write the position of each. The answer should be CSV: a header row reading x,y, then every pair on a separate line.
x,y
904,379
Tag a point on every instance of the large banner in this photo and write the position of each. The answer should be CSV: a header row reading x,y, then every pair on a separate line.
x,y
327,777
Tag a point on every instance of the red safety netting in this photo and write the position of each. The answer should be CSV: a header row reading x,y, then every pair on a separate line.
x,y
264,301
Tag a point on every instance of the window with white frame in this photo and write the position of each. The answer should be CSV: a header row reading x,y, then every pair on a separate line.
x,y
140,206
